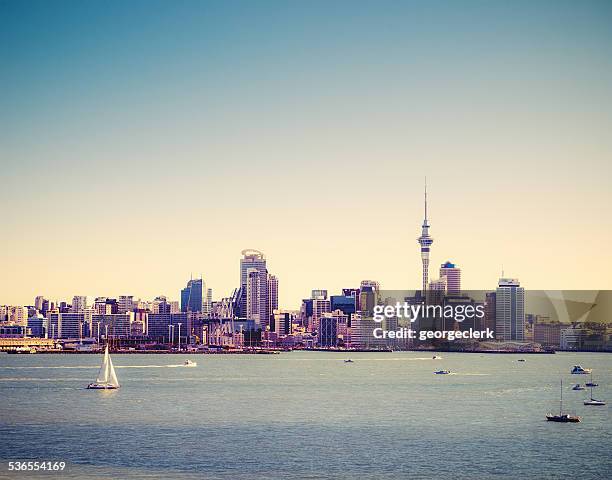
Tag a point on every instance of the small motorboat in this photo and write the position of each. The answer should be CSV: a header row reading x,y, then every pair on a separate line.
x,y
436,357
348,360
578,387
189,363
442,372
521,360
578,370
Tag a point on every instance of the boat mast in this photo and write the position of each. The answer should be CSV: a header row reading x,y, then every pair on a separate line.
x,y
561,400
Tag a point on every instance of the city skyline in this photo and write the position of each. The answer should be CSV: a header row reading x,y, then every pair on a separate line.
x,y
137,151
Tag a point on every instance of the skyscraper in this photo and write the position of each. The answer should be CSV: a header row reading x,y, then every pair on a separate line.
x,y
272,293
191,296
509,310
79,303
254,280
425,241
452,273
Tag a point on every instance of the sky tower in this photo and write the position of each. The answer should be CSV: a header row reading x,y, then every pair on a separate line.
x,y
425,241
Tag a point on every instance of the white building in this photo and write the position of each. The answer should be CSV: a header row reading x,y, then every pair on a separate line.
x,y
510,310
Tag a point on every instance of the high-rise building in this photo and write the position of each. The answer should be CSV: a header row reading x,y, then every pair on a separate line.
x,y
253,297
510,310
320,306
272,293
425,242
126,303
18,316
192,296
489,311
345,303
79,303
332,328
38,303
208,302
452,273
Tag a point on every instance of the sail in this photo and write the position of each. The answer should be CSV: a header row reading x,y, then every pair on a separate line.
x,y
104,370
112,377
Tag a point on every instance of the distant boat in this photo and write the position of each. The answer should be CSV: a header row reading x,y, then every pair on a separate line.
x,y
578,370
592,401
189,363
590,383
578,387
521,360
442,372
562,417
348,360
436,357
107,378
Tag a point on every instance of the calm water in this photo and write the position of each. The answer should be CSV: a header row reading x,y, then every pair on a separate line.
x,y
307,415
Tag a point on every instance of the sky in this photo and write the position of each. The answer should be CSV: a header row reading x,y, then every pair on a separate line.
x,y
142,142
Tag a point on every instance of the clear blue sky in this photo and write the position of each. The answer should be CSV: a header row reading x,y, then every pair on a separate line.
x,y
141,141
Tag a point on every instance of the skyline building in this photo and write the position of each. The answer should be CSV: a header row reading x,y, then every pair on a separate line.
x,y
425,241
452,274
79,303
254,299
509,310
192,296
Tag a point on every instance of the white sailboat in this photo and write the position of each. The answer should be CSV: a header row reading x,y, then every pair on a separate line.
x,y
107,378
594,402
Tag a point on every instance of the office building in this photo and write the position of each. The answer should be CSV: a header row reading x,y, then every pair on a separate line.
x,y
509,310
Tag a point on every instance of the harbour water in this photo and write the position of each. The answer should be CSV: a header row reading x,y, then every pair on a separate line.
x,y
307,415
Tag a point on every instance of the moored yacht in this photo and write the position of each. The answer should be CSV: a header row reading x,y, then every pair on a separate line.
x,y
578,370
562,417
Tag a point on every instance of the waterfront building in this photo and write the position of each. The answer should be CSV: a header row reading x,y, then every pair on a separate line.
x,y
572,338
332,329
65,325
546,333
158,323
509,310
37,325
115,325
283,322
489,311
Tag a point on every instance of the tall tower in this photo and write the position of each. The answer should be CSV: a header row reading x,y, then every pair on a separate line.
x,y
425,241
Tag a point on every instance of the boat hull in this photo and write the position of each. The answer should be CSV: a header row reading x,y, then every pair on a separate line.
x,y
98,386
562,418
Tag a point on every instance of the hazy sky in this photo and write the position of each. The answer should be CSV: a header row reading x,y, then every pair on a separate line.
x,y
143,141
